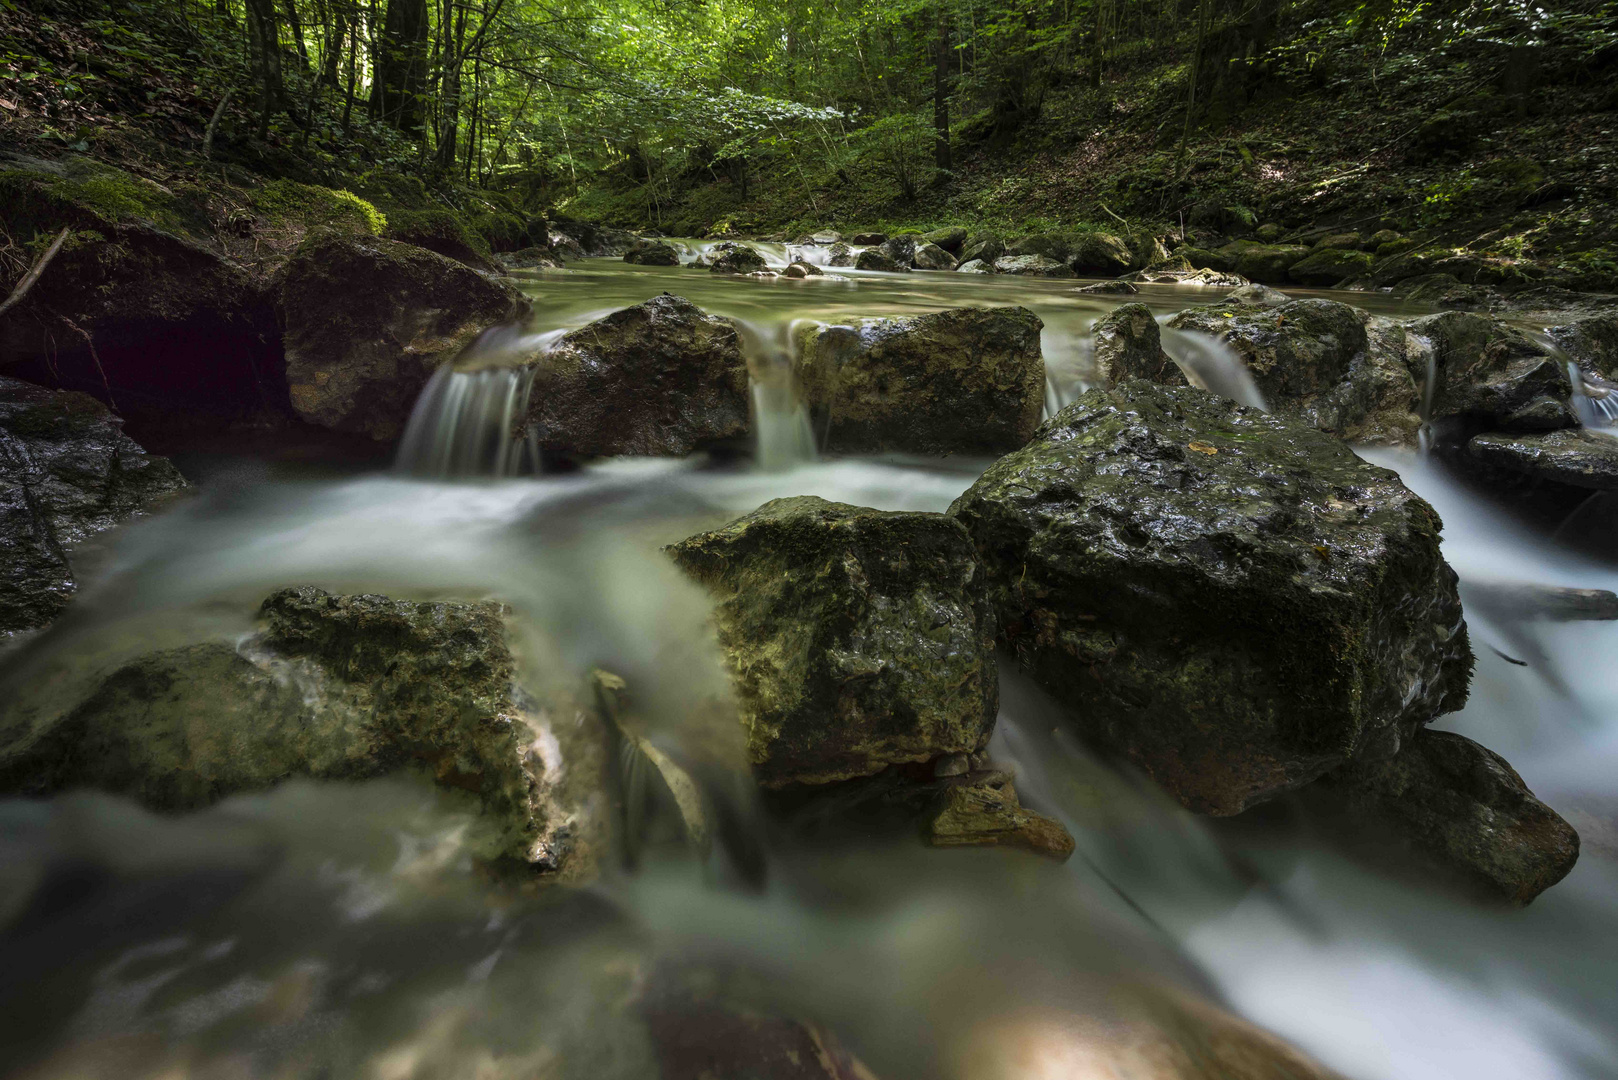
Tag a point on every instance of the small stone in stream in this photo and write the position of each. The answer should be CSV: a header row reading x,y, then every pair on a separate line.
x,y
1577,457
1189,577
1552,603
1032,265
67,472
867,239
802,270
840,255
1493,374
733,258
932,257
652,253
1462,808
368,321
342,688
975,266
1253,295
877,259
987,812
1129,345
661,378
826,239
1108,288
966,380
856,638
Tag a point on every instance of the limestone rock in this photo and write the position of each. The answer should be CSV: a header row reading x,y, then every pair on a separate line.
x,y
335,687
1032,265
369,320
1252,295
951,238
67,472
966,380
840,255
856,638
1100,254
1462,808
1326,266
983,246
1494,375
652,253
1268,262
1129,345
662,378
933,257
1574,456
986,812
975,266
733,258
1232,601
803,270
876,258
1116,287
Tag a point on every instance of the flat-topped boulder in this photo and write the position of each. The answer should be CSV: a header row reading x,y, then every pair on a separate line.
x,y
67,473
1232,601
1577,457
967,380
335,687
1032,265
653,253
662,378
857,639
1462,809
369,320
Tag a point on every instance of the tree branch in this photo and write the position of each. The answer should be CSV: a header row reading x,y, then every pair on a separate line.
x,y
32,276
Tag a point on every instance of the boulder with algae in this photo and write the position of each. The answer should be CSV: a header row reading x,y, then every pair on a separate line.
x,y
1232,601
337,687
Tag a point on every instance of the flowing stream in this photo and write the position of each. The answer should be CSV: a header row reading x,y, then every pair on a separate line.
x,y
338,930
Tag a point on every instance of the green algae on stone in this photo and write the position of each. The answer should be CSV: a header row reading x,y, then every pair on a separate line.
x,y
1232,601
966,380
856,638
310,207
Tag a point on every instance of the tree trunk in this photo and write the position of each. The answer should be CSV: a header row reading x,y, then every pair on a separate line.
x,y
941,155
400,75
296,25
449,130
1095,45
265,34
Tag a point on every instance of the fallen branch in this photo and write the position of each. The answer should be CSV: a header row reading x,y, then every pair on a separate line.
x,y
213,125
1115,217
92,347
32,276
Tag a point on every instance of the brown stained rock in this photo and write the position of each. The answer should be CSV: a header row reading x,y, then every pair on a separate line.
x,y
369,320
967,380
985,811
660,378
856,638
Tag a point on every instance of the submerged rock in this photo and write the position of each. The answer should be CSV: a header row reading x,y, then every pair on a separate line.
x,y
652,253
1493,375
1232,601
336,687
1033,265
856,638
1129,345
1462,808
663,377
369,320
967,380
1574,456
1109,288
67,472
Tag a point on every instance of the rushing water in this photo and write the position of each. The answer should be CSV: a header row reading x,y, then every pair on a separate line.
x,y
344,929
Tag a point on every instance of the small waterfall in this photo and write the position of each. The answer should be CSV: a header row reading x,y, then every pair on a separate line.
x,y
782,437
1213,366
463,425
1070,367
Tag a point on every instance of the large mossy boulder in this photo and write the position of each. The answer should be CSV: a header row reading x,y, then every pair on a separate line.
x,y
1329,266
877,258
369,320
444,232
951,238
733,258
342,688
1100,254
1492,376
140,300
652,253
67,472
1129,345
857,639
1460,808
967,380
1232,601
1268,262
982,246
1032,266
660,378
932,257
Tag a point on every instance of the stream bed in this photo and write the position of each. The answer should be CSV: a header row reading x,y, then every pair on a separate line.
x,y
346,929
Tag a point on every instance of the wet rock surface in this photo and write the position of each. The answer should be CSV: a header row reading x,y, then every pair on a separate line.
x,y
1493,375
878,258
856,638
334,687
369,320
1328,266
1461,808
1232,601
967,380
730,258
1577,457
662,378
984,811
1129,345
67,472
652,253
1034,265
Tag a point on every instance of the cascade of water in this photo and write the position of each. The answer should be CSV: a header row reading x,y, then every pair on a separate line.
x,y
1213,366
463,425
782,437
1069,367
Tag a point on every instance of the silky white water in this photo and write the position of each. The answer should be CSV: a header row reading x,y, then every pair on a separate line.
x,y
344,929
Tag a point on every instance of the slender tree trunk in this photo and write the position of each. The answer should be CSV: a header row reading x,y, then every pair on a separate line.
x,y
353,76
449,129
265,34
399,81
296,25
1095,45
941,155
